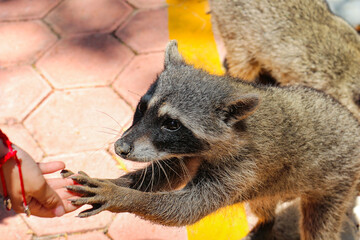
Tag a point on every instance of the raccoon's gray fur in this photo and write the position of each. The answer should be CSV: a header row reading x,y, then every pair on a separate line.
x,y
230,142
293,41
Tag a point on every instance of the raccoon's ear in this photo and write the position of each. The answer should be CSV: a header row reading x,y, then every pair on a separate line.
x,y
241,108
172,55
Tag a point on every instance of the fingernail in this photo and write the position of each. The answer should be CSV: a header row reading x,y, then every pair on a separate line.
x,y
59,211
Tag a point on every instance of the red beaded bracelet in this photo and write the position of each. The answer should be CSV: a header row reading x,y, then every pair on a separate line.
x,y
11,155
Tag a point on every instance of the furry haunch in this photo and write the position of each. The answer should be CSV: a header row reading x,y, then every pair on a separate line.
x,y
291,42
230,141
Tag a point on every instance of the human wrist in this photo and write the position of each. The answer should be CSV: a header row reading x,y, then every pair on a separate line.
x,y
3,149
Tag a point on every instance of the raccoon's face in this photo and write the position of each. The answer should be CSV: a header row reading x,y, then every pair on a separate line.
x,y
156,136
185,113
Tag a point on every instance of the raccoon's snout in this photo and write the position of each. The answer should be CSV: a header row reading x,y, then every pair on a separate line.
x,y
122,148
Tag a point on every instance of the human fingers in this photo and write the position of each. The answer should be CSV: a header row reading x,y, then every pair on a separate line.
x,y
50,200
56,183
51,167
65,195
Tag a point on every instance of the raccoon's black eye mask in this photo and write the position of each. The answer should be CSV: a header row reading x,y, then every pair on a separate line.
x,y
139,112
143,103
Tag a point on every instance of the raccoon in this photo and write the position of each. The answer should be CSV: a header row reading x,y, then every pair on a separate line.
x,y
230,141
291,42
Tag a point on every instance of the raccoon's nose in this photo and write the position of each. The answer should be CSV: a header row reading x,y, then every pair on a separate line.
x,y
122,148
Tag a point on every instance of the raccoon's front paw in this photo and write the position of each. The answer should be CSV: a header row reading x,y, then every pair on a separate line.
x,y
122,182
102,194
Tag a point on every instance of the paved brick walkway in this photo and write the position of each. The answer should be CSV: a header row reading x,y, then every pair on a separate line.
x,y
71,73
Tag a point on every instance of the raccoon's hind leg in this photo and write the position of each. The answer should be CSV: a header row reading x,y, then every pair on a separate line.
x,y
264,209
322,216
242,66
239,62
265,78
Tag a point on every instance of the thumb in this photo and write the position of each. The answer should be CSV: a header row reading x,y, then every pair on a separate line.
x,y
50,201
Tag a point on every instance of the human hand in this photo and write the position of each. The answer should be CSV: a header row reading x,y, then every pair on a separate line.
x,y
46,198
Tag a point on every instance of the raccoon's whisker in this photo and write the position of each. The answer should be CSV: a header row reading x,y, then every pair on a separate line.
x,y
166,176
110,133
167,165
111,129
152,176
134,93
185,170
103,146
110,117
142,177
150,183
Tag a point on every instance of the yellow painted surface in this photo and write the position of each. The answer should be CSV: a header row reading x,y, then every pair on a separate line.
x,y
228,223
120,163
190,24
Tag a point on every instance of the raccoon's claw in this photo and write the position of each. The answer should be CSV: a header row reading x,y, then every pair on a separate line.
x,y
66,173
82,190
83,173
96,208
85,180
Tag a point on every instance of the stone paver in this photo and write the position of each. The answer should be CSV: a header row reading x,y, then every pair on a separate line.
x,y
78,120
147,31
134,81
69,223
148,3
12,225
96,164
21,137
95,235
21,89
69,99
25,9
23,42
128,226
90,16
93,60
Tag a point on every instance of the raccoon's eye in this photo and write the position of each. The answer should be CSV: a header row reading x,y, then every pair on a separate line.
x,y
171,124
142,107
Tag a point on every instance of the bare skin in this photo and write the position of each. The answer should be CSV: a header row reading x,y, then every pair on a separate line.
x,y
46,198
